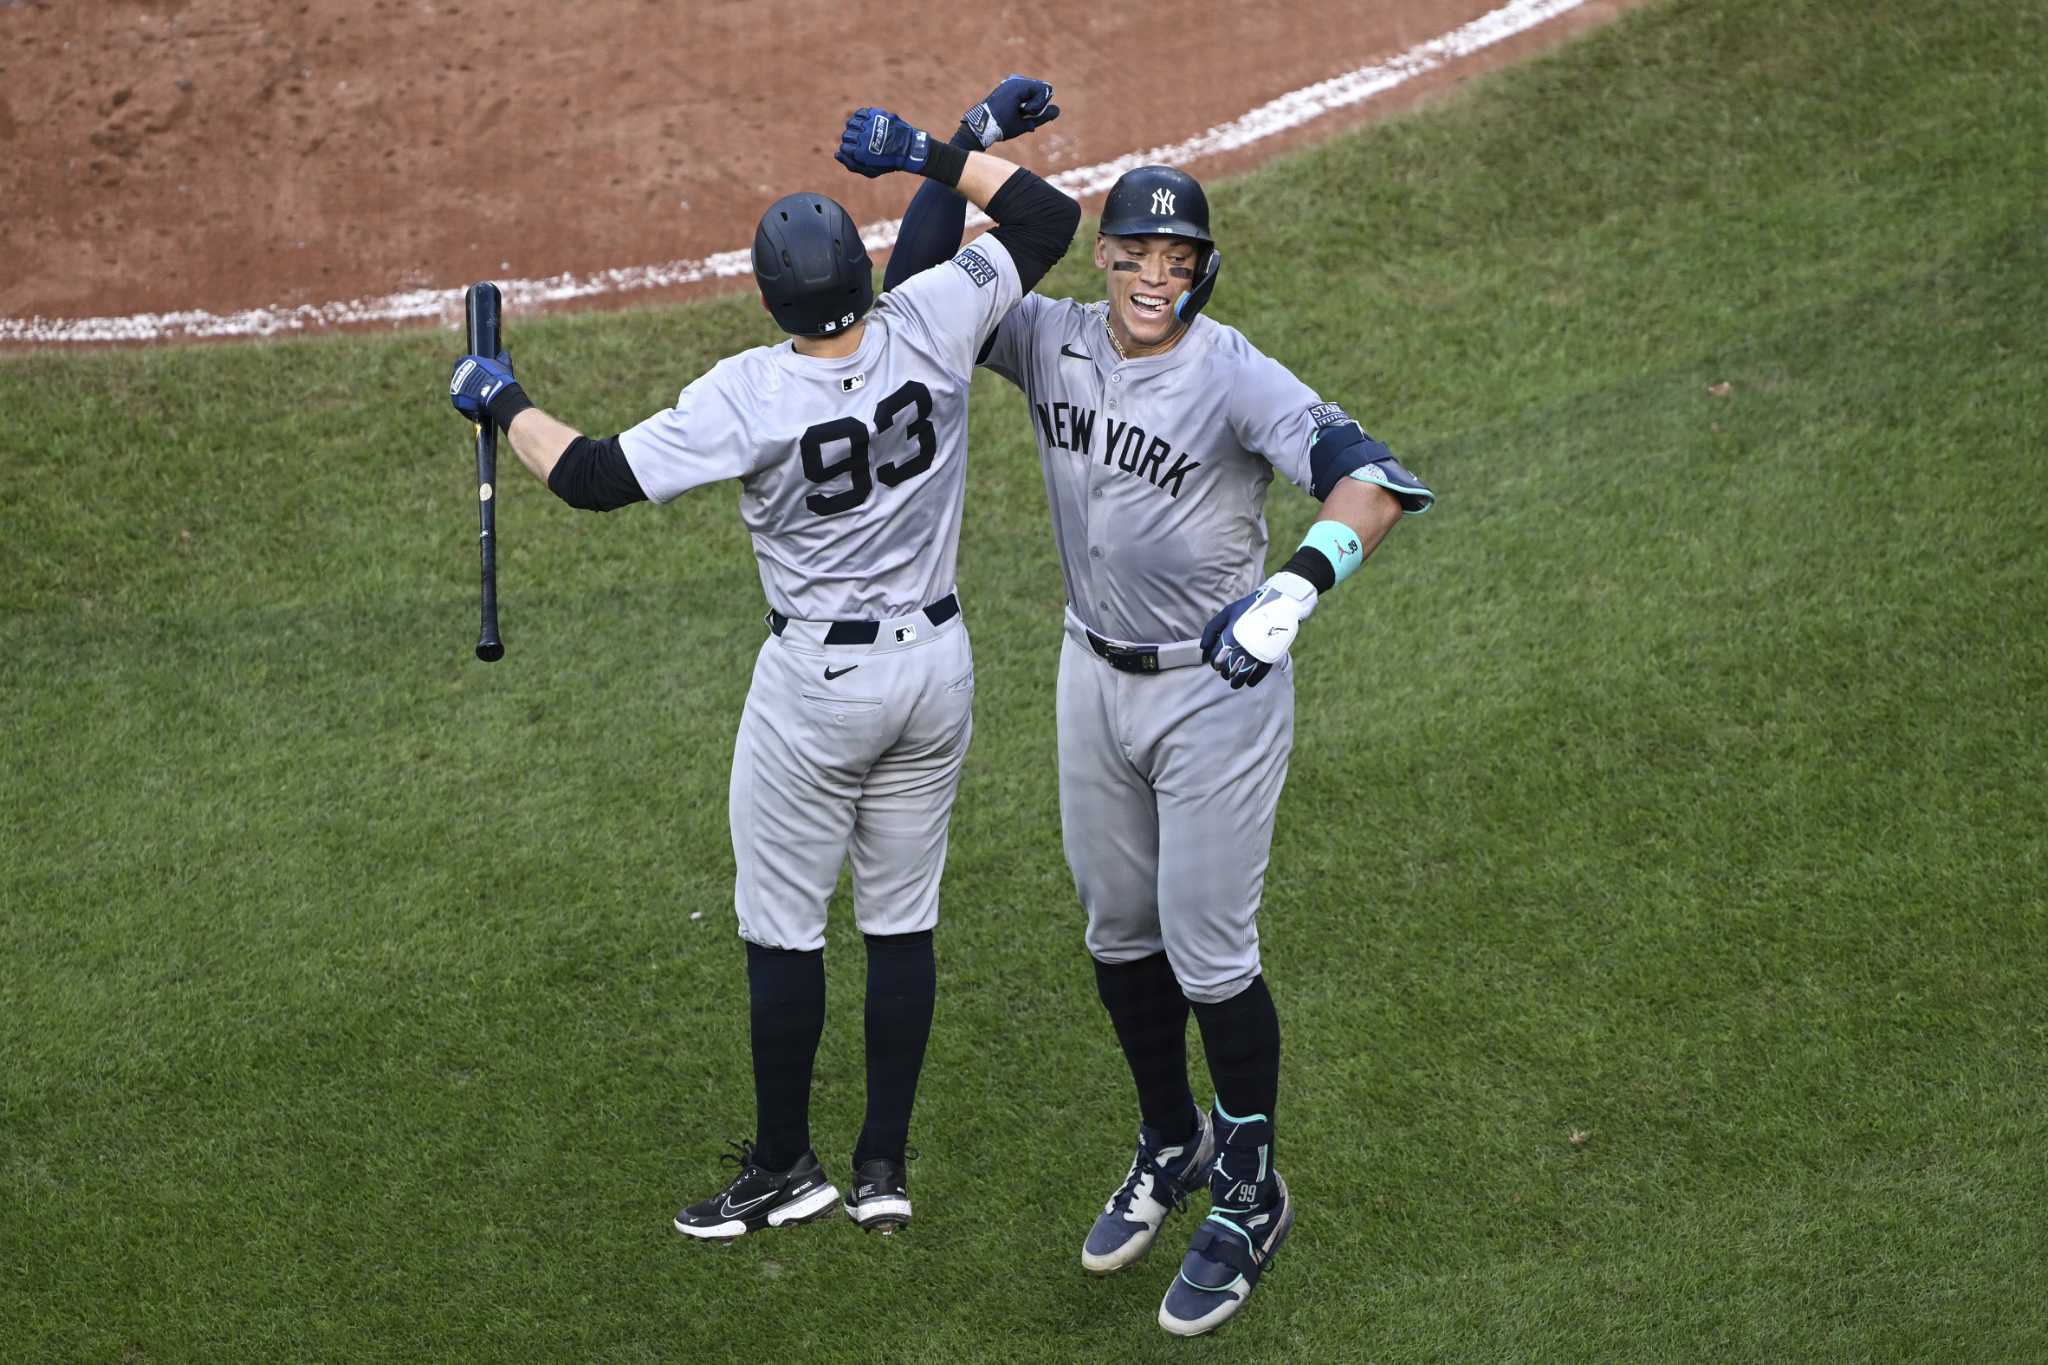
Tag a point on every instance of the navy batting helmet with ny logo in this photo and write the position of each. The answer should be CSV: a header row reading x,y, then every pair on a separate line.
x,y
1159,201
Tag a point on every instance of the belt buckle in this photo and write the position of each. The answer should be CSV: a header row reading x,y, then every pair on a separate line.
x,y
1125,659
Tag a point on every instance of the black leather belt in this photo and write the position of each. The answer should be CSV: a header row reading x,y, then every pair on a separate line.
x,y
864,632
1125,658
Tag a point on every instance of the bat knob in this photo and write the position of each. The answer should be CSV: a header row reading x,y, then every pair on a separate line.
x,y
490,651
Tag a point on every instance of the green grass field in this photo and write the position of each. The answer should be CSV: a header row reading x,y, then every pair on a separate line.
x,y
1656,915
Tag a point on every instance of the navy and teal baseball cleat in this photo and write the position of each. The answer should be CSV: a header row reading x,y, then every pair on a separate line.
x,y
1162,1175
1250,1215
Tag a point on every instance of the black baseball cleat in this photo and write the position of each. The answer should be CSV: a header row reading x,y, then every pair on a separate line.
x,y
878,1198
760,1198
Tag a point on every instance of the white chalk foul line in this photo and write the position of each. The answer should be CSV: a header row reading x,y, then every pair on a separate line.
x,y
1273,117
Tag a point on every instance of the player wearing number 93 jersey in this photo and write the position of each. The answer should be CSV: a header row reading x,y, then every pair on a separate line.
x,y
849,442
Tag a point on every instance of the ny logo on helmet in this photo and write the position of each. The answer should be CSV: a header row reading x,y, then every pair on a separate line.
x,y
1162,203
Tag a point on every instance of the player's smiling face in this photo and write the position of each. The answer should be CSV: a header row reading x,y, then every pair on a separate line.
x,y
1145,277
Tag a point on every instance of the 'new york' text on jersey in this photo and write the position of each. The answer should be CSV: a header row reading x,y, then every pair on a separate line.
x,y
1156,469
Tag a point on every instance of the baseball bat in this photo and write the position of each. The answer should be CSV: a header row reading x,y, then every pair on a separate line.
x,y
482,303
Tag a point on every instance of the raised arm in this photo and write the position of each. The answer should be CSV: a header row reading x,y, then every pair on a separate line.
x,y
1033,219
937,216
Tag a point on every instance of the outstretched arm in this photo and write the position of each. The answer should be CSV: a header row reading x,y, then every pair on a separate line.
x,y
592,475
540,440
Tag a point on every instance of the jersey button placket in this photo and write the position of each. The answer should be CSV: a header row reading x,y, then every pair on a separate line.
x,y
1098,532
1098,517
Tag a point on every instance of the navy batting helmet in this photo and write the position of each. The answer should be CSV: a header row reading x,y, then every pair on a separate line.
x,y
813,271
1159,201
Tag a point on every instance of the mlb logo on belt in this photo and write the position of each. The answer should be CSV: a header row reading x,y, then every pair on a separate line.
x,y
905,634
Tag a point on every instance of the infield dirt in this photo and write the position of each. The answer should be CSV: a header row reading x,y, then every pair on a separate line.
x,y
239,154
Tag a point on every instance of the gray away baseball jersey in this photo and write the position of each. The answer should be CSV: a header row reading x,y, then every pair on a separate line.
x,y
1157,468
852,471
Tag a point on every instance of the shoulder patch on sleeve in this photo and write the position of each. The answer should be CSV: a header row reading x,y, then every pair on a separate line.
x,y
978,267
1327,415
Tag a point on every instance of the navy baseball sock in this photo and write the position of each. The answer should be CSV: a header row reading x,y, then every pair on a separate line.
x,y
1151,1018
1242,1037
902,984
786,997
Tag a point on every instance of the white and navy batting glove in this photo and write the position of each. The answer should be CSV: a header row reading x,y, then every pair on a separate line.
x,y
1018,106
876,142
1244,640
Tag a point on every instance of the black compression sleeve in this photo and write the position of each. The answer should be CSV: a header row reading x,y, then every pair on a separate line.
x,y
1035,222
594,476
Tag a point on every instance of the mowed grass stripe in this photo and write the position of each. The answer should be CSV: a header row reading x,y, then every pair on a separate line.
x,y
1655,908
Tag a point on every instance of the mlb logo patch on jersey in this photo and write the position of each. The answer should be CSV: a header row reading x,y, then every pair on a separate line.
x,y
1327,415
852,382
978,267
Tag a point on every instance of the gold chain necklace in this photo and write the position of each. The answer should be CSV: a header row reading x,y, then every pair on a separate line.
x,y
1117,345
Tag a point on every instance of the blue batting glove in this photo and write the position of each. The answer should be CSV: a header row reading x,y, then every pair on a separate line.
x,y
476,381
876,142
1019,105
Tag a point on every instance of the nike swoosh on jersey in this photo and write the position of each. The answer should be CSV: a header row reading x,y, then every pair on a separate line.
x,y
1073,354
832,673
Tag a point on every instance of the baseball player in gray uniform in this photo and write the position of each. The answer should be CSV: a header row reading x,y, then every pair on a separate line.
x,y
1160,430
849,442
